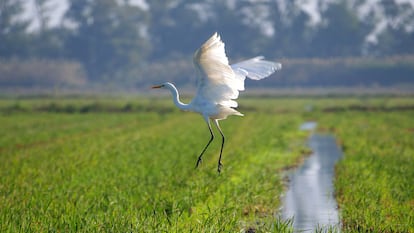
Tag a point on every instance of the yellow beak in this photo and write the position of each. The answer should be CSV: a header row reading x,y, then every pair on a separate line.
x,y
158,86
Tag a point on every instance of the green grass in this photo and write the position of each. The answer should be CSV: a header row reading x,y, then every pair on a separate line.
x,y
374,182
134,171
127,164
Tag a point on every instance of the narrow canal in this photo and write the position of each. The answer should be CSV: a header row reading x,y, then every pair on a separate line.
x,y
310,196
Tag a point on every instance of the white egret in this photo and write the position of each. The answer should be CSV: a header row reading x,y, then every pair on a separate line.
x,y
219,85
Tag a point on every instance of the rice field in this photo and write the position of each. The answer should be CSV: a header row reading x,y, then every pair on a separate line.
x,y
375,181
128,164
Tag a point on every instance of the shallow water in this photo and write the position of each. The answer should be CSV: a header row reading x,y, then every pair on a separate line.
x,y
309,198
309,125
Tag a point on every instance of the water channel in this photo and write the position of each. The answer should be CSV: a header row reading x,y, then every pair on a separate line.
x,y
310,196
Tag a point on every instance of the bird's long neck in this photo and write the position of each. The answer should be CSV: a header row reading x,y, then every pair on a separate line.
x,y
176,98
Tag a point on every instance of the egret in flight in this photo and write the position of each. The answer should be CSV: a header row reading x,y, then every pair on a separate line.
x,y
219,84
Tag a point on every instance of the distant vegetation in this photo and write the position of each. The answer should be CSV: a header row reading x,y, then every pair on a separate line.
x,y
116,43
396,72
44,73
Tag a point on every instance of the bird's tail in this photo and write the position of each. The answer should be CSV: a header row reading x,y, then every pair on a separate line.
x,y
227,111
237,113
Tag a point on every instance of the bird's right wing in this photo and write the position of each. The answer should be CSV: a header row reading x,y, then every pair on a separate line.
x,y
217,82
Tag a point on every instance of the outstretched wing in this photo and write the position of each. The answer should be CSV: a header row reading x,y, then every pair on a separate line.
x,y
218,83
255,68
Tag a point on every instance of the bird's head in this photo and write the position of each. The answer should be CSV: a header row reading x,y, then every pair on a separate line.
x,y
162,85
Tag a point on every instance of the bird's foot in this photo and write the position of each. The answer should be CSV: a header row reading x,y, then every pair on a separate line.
x,y
219,167
199,161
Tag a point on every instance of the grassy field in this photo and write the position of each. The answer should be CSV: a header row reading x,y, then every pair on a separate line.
x,y
124,164
375,181
62,170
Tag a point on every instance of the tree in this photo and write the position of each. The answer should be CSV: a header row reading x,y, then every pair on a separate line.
x,y
12,29
292,32
108,36
179,27
398,35
46,41
175,28
341,34
240,26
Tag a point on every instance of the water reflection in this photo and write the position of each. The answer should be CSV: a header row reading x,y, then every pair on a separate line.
x,y
309,199
309,125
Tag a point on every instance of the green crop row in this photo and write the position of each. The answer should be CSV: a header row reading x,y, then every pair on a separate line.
x,y
374,184
104,170
135,172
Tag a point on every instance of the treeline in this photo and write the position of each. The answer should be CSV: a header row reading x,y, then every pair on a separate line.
x,y
122,42
396,71
347,72
44,73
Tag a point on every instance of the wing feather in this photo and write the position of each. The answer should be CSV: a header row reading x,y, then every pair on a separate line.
x,y
220,83
256,68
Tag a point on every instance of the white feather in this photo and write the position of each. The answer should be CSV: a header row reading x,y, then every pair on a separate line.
x,y
219,82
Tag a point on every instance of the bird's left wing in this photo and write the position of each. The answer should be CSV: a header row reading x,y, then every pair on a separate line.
x,y
255,68
218,83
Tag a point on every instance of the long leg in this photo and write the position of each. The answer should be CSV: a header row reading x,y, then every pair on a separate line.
x,y
211,139
222,145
